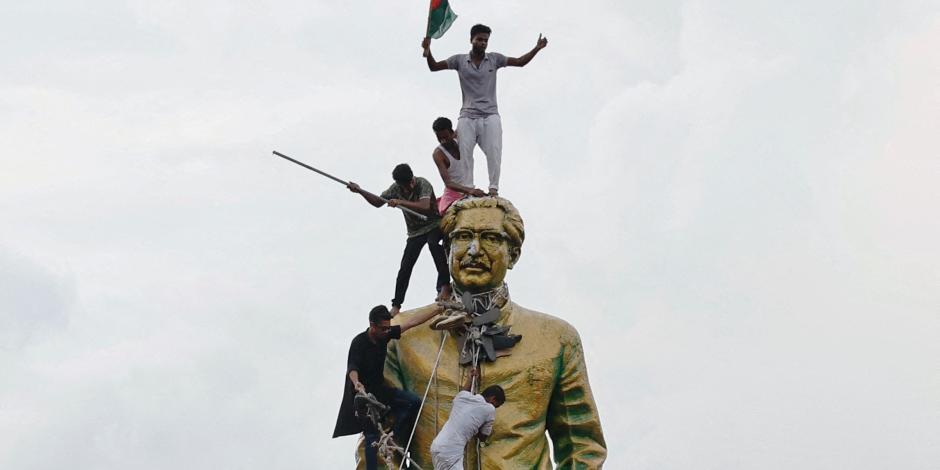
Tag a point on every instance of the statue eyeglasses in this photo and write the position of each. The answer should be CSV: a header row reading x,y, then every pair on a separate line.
x,y
488,238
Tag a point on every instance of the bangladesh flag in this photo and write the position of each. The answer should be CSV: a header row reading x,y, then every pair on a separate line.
x,y
440,18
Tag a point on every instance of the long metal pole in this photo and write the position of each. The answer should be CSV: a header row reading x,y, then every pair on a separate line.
x,y
346,183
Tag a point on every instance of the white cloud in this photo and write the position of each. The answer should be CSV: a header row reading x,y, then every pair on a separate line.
x,y
33,301
730,201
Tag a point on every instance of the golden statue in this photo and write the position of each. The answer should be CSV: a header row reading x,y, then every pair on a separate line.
x,y
544,375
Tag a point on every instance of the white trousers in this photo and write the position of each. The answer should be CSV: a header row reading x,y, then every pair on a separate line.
x,y
488,133
442,461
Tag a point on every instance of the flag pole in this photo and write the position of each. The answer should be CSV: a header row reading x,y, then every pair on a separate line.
x,y
346,183
427,24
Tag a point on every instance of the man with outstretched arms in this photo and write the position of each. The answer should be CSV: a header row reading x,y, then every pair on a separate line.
x,y
479,121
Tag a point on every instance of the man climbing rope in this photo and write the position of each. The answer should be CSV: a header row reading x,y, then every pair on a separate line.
x,y
455,171
364,374
470,416
417,194
479,121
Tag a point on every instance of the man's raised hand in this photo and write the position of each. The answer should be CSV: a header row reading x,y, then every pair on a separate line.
x,y
433,65
353,187
426,46
541,43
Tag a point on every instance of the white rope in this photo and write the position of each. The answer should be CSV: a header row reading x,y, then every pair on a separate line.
x,y
474,388
385,444
423,399
387,449
474,345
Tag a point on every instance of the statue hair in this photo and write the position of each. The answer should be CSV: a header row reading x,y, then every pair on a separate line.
x,y
512,221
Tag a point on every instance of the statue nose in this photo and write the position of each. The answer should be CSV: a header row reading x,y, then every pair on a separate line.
x,y
474,248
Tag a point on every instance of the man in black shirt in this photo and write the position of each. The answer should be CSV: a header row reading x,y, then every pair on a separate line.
x,y
364,373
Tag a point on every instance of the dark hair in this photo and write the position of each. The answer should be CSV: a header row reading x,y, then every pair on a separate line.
x,y
496,392
379,313
479,28
402,174
442,123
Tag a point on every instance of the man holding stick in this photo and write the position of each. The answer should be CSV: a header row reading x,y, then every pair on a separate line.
x,y
416,194
479,121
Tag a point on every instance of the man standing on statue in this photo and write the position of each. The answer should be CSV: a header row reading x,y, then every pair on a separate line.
x,y
479,121
544,376
417,194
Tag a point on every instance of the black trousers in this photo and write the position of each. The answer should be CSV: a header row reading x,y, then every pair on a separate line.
x,y
410,257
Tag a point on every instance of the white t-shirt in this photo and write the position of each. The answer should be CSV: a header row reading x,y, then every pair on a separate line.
x,y
460,171
471,414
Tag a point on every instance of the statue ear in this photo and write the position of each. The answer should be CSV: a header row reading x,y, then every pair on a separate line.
x,y
514,253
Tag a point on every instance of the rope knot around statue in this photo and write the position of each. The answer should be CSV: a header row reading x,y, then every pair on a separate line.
x,y
472,318
373,412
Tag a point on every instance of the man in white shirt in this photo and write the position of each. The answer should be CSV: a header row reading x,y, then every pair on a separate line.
x,y
471,415
455,170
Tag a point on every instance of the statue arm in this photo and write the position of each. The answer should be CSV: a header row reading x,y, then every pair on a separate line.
x,y
573,422
392,372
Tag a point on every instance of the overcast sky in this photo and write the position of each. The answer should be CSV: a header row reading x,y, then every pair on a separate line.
x,y
736,203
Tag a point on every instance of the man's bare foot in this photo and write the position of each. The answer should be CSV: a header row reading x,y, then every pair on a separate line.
x,y
445,293
494,192
394,311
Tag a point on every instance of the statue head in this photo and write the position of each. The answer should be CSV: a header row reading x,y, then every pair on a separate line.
x,y
485,237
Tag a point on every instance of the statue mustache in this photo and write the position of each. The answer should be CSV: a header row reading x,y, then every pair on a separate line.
x,y
466,263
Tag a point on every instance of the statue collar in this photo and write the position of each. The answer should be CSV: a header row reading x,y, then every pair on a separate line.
x,y
480,303
483,338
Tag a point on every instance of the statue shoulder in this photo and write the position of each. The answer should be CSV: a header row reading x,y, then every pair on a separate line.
x,y
551,324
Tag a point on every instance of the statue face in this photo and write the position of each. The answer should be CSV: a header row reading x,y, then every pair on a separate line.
x,y
480,252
